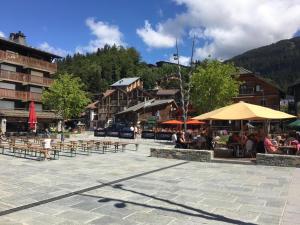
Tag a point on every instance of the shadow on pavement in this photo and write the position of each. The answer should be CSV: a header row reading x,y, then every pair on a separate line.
x,y
191,211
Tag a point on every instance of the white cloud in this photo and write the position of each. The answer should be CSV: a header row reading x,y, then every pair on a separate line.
x,y
2,34
105,34
48,48
230,27
183,60
156,38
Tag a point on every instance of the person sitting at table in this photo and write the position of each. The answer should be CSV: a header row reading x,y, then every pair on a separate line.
x,y
174,138
250,145
181,143
232,140
291,137
200,141
279,140
270,147
209,138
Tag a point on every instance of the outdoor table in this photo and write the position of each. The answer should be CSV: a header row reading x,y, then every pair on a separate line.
x,y
238,149
289,150
189,144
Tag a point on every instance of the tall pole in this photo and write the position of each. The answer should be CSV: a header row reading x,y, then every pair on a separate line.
x,y
189,81
185,96
181,87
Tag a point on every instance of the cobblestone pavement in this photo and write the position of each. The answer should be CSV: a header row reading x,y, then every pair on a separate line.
x,y
131,188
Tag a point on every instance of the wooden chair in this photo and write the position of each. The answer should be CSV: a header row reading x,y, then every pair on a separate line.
x,y
106,146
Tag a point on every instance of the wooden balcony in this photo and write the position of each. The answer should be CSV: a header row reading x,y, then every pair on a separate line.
x,y
25,78
27,62
20,95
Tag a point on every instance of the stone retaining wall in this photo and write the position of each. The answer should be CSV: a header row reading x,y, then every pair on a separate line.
x,y
184,154
277,160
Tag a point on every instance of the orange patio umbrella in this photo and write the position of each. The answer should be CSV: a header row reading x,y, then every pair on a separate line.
x,y
194,122
173,122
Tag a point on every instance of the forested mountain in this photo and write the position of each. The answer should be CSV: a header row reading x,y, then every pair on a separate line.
x,y
279,62
100,69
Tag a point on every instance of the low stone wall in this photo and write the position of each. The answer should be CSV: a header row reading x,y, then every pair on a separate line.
x,y
184,154
223,153
277,160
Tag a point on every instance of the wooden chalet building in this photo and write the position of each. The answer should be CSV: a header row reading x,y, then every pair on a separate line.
x,y
122,94
256,90
24,73
161,110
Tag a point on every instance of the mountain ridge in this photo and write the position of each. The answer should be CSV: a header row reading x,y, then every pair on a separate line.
x,y
278,61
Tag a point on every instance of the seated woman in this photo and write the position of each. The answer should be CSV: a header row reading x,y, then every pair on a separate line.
x,y
269,146
250,145
181,143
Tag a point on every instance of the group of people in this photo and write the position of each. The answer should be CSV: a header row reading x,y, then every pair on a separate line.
x,y
260,142
250,143
200,140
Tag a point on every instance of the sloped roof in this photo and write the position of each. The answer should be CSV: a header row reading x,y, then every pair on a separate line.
x,y
125,82
160,102
24,114
296,83
7,41
108,92
167,91
242,70
92,105
147,104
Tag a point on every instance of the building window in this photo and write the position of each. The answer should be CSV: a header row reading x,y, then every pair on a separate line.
x,y
7,86
7,104
258,88
36,90
8,67
38,107
263,102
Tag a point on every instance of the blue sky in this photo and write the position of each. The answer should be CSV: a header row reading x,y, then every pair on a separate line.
x,y
222,28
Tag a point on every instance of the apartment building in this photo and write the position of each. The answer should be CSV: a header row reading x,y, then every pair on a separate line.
x,y
24,73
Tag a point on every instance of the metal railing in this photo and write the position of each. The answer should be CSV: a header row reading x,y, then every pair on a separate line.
x,y
26,61
25,78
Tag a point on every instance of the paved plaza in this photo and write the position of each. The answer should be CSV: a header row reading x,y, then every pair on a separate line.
x,y
132,188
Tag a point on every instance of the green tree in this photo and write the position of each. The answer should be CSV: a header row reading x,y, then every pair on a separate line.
x,y
213,85
66,96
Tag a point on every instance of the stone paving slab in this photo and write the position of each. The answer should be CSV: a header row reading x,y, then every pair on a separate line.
x,y
131,188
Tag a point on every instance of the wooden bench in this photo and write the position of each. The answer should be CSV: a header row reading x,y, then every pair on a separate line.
x,y
124,144
65,146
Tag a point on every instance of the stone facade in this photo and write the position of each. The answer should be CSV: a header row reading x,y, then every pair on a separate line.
x,y
183,154
278,160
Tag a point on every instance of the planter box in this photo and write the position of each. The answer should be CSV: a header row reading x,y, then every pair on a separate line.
x,y
184,154
278,160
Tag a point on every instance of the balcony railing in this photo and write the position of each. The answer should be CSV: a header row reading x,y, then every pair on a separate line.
x,y
20,95
26,61
25,78
246,91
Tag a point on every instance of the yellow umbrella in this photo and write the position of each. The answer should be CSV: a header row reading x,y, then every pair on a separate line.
x,y
244,111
